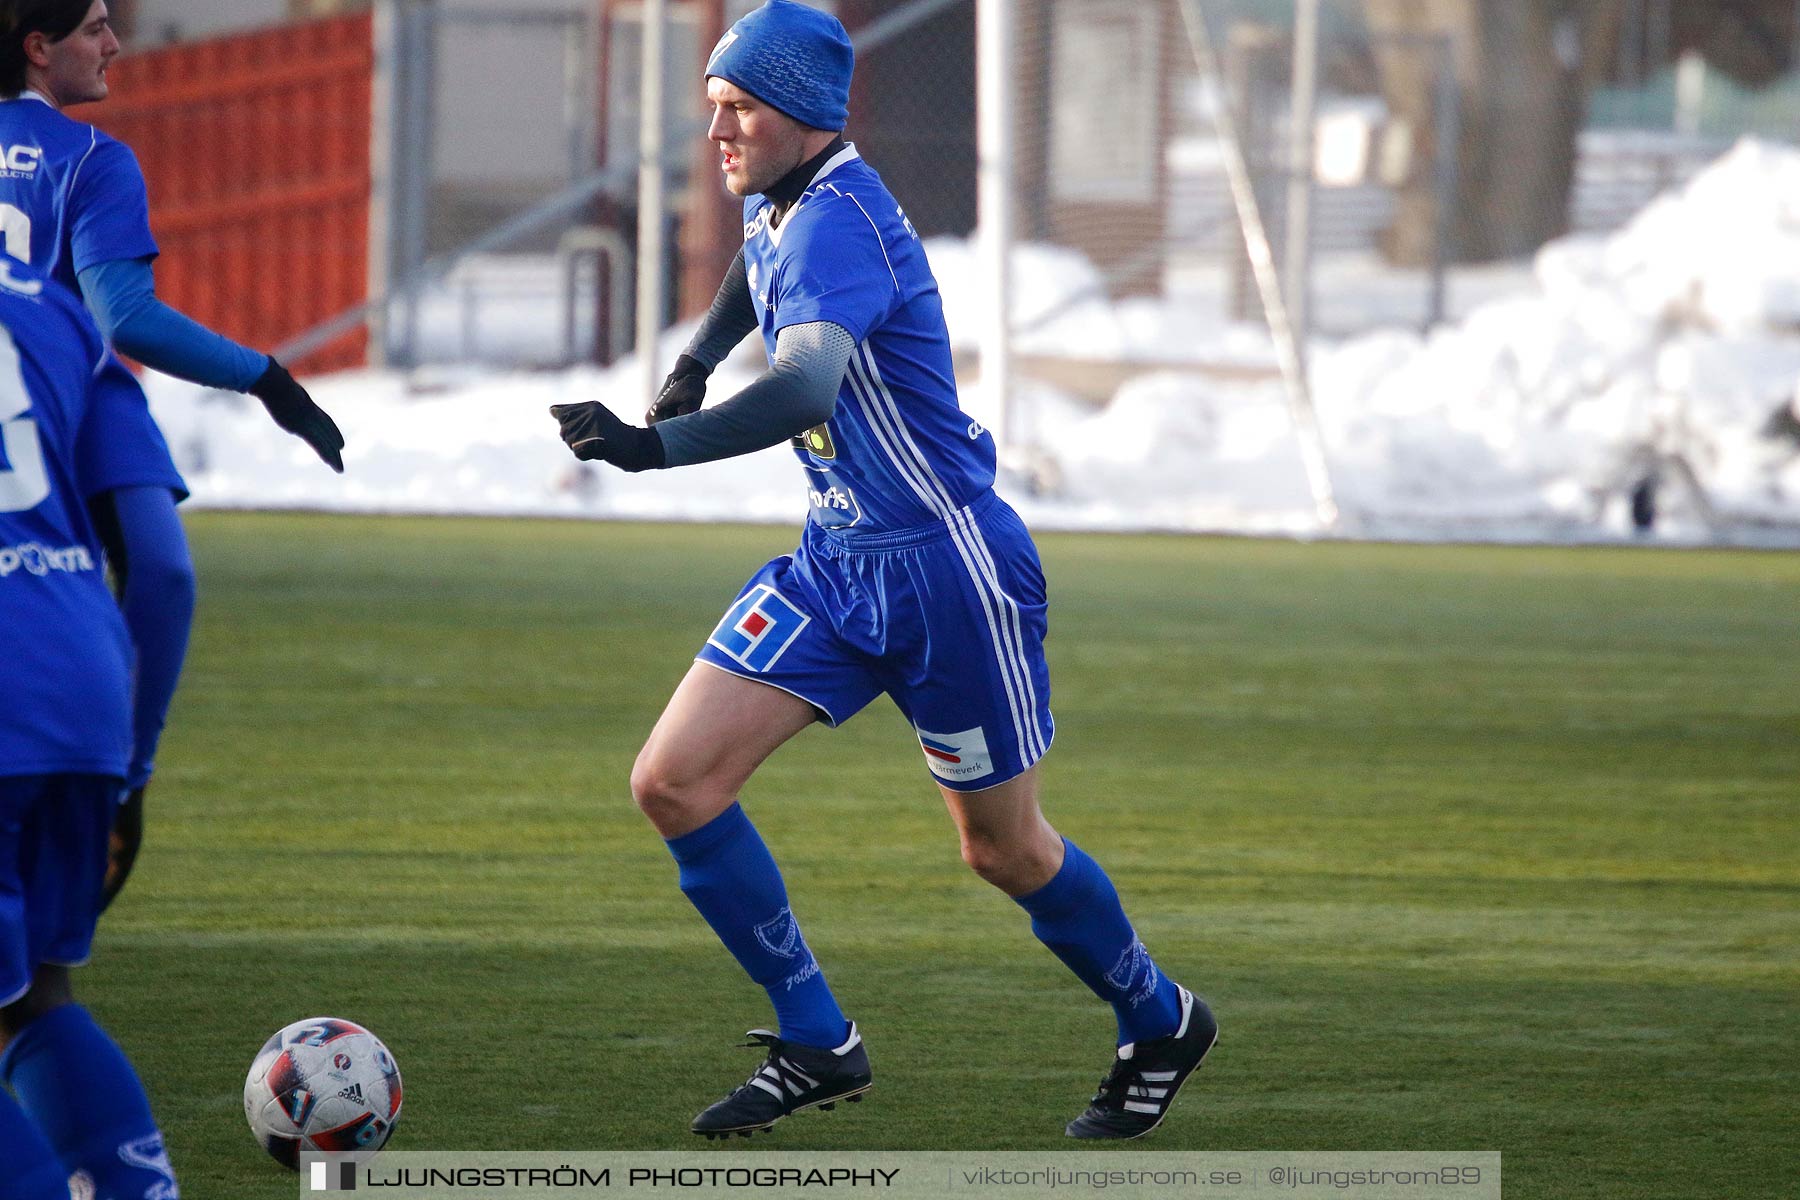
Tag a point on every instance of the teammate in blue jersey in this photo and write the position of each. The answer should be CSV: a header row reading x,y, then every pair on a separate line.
x,y
73,203
912,578
72,1107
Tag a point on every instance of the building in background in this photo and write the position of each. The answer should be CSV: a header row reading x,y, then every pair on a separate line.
x,y
256,152
513,103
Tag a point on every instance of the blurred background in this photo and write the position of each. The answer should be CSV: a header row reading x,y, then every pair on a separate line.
x,y
1500,269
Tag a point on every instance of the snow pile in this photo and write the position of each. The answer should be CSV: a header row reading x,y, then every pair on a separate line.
x,y
450,442
1669,349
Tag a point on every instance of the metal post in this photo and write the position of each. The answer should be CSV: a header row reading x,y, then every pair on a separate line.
x,y
1268,282
1690,92
1297,267
384,103
578,107
412,120
650,197
994,204
1446,123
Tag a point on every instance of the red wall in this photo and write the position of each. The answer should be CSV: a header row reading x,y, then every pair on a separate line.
x,y
256,151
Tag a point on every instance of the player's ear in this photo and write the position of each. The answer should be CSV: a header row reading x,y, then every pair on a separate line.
x,y
37,48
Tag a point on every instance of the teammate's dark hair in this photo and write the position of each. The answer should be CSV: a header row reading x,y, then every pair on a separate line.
x,y
19,19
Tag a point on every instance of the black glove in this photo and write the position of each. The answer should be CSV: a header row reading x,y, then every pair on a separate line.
x,y
295,412
681,393
122,846
593,432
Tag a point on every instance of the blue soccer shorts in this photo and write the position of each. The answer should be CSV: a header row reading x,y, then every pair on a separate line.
x,y
947,619
53,835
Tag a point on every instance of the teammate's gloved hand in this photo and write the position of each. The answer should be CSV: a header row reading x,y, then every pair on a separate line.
x,y
681,393
592,431
295,412
122,845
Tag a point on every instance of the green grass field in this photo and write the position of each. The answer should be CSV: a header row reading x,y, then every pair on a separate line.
x,y
1470,848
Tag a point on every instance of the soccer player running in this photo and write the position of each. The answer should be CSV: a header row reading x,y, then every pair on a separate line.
x,y
912,578
73,203
73,1108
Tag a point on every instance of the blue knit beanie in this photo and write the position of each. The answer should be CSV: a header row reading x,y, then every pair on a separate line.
x,y
793,57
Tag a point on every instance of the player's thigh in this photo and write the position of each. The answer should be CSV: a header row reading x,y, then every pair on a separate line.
x,y
53,832
715,731
785,630
773,665
974,682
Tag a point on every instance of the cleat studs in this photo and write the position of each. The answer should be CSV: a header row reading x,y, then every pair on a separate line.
x,y
828,1107
856,1099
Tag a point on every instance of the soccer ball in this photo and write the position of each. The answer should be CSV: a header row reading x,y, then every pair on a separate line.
x,y
322,1084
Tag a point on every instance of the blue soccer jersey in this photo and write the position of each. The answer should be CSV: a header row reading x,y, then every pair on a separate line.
x,y
913,577
65,657
899,452
70,196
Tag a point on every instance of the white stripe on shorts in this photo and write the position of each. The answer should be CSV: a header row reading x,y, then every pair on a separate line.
x,y
1012,653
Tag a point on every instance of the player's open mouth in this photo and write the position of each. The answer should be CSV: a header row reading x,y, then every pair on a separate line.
x,y
730,163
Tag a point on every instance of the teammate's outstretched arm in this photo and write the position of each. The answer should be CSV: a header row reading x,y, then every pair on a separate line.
x,y
122,297
797,392
153,573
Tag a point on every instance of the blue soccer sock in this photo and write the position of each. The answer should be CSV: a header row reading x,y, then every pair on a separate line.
x,y
33,1172
81,1092
1078,915
728,874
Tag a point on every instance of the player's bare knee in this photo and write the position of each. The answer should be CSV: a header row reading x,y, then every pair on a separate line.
x,y
650,788
1015,866
668,796
992,859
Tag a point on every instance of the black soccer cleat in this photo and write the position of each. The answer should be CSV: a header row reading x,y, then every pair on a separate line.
x,y
793,1077
1137,1093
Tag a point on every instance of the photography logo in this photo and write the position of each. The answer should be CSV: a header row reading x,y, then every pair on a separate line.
x,y
334,1177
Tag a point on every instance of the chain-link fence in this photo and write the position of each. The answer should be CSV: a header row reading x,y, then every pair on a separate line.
x,y
1438,148
1433,156
491,106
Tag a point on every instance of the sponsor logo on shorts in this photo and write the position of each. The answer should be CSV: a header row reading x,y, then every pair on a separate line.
x,y
759,628
957,757
35,559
